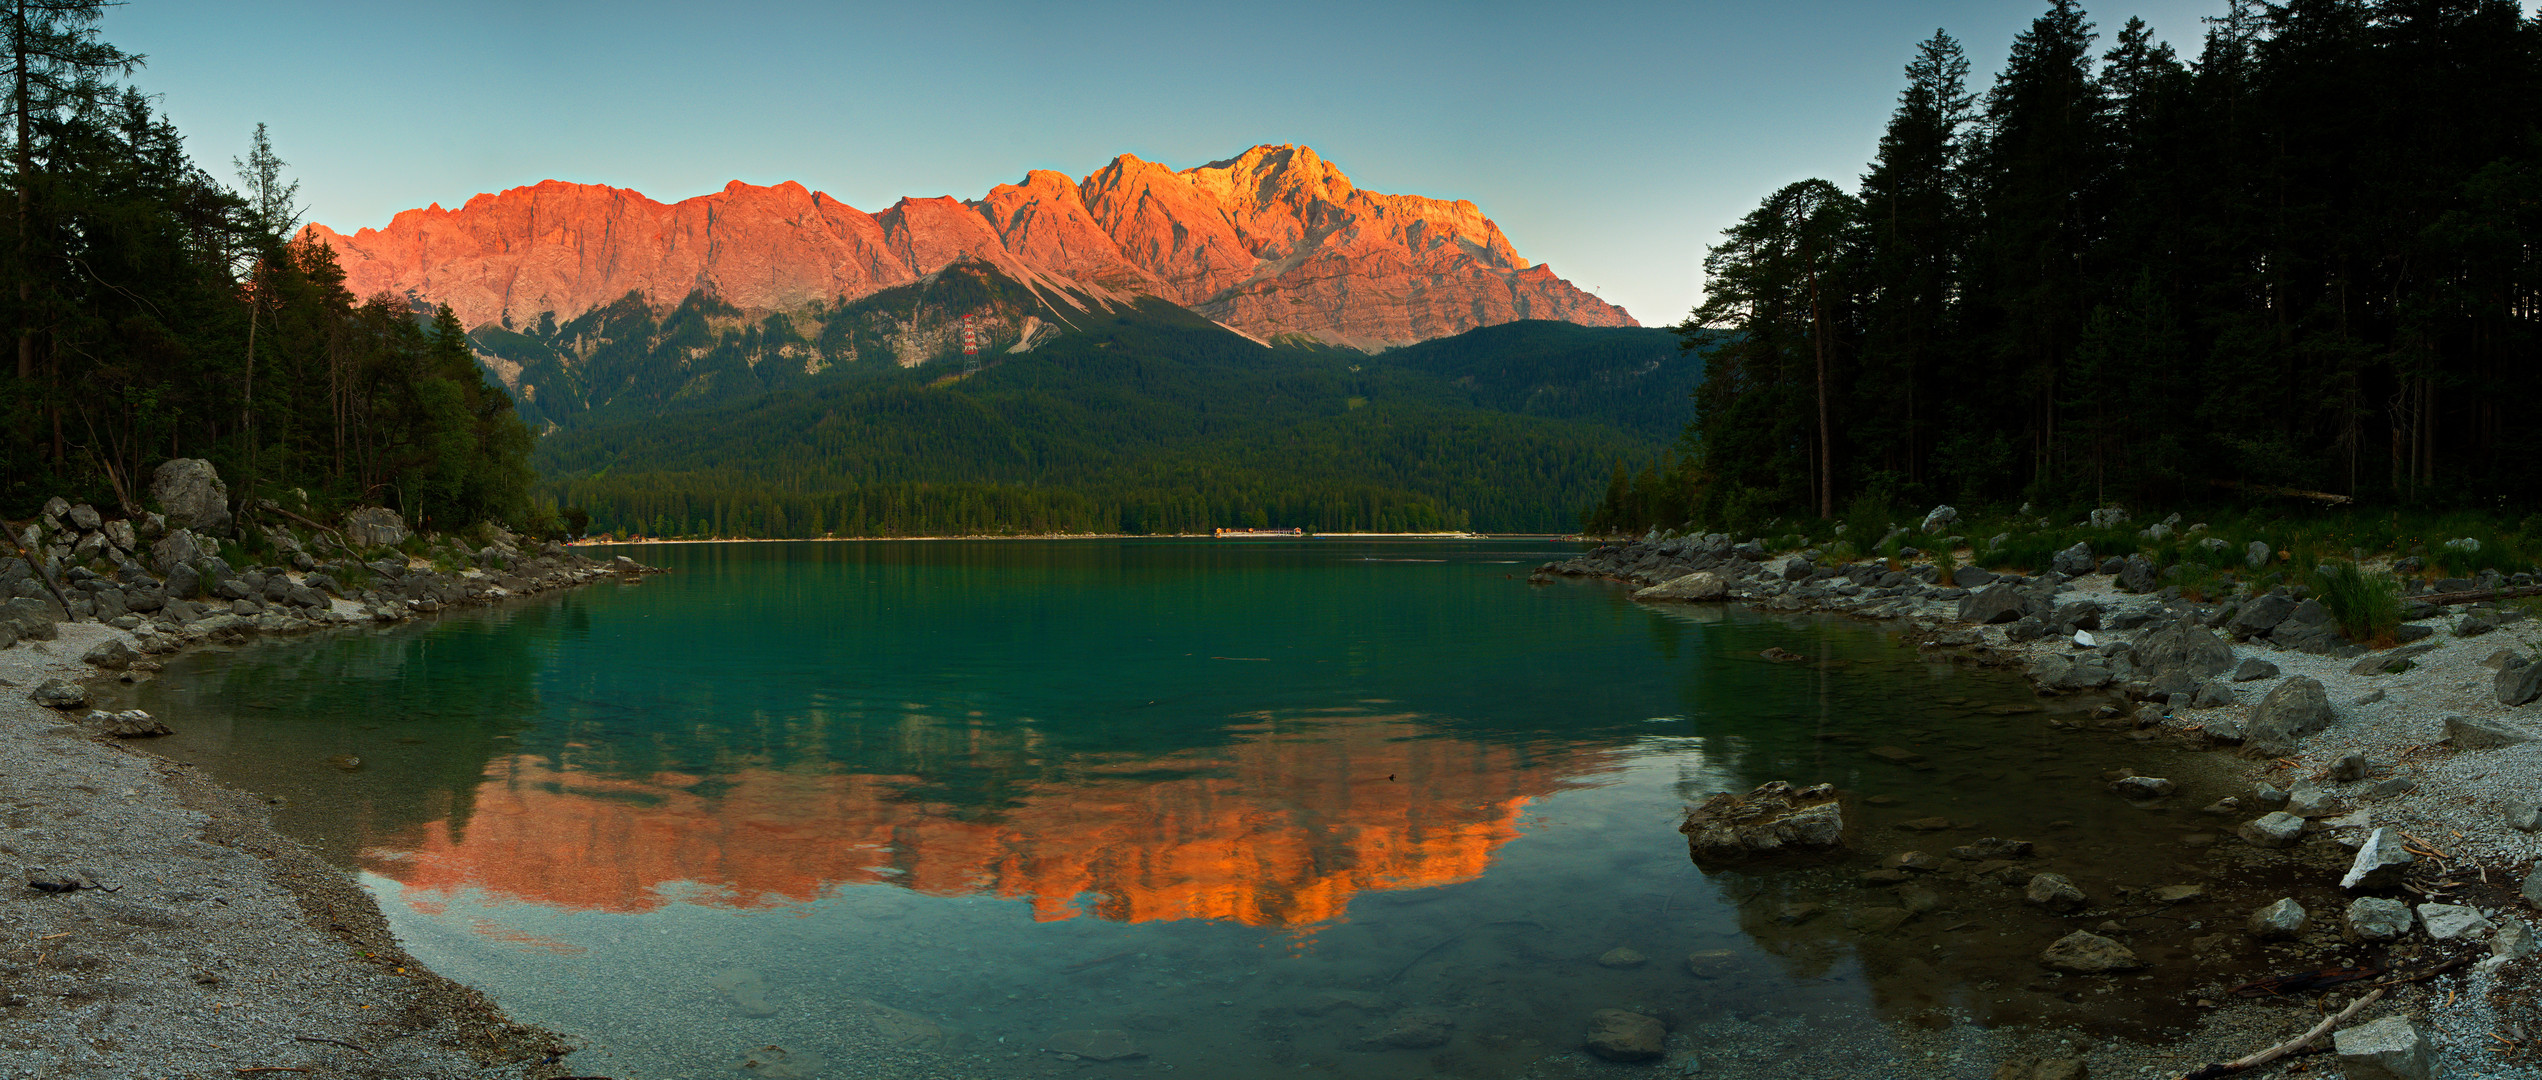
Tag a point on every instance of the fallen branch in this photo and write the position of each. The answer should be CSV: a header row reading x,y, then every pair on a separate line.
x,y
333,1042
269,504
2475,596
2323,497
2253,1061
41,574
269,1068
2449,965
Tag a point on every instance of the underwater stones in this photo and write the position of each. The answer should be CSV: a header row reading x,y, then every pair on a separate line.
x,y
1617,1035
2141,787
1407,1029
2180,894
1621,959
745,988
1993,847
1108,1044
2086,953
2054,892
1774,819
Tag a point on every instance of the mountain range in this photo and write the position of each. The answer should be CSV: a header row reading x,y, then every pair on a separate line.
x,y
1273,243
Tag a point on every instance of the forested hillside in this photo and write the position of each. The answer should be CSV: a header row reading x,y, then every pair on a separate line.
x,y
155,312
2300,257
1148,418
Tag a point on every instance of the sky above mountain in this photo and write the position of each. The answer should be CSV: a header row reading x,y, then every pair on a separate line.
x,y
1610,140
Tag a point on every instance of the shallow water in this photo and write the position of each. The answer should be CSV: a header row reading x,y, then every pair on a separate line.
x,y
1254,808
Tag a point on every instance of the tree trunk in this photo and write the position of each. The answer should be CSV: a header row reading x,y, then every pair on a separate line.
x,y
1826,440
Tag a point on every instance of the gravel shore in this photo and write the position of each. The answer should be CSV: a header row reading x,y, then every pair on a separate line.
x,y
2461,807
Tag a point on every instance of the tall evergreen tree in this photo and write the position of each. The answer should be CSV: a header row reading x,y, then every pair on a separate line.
x,y
1915,225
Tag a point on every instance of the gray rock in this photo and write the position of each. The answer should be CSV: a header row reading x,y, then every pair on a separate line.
x,y
119,533
2373,918
2512,941
2445,922
191,494
56,694
33,619
2388,1049
2262,614
2087,953
2275,830
1971,577
2054,892
2075,561
2379,864
128,724
2465,733
2138,575
1700,585
1940,517
2268,795
2069,674
2519,684
2109,517
2370,697
2296,708
2387,662
2280,921
2532,888
2393,787
1997,603
2253,670
2308,629
2522,816
2348,766
374,527
2187,648
177,549
1773,819
111,654
2142,787
2256,555
84,518
2311,800
1617,1035
2473,625
2212,694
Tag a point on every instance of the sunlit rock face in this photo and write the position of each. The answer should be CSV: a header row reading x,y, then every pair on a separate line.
x,y
1274,241
1267,832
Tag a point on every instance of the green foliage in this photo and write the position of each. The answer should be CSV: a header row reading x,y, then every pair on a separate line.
x,y
2366,607
158,314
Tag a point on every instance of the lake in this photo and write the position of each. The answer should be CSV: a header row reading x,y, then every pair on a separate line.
x,y
1241,809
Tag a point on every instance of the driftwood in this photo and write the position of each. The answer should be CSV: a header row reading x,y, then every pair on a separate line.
x,y
2253,1061
268,504
2475,596
2323,497
2303,982
41,574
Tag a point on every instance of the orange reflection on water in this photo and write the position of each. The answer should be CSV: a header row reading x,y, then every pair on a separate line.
x,y
1274,830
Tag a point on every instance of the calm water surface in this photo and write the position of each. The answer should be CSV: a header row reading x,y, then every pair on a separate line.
x,y
1256,808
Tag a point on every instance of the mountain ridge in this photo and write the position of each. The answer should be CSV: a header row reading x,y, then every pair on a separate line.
x,y
1273,242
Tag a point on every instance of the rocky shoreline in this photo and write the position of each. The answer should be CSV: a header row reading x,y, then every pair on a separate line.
x,y
2414,768
159,924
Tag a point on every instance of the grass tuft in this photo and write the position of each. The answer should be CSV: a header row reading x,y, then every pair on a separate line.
x,y
2367,607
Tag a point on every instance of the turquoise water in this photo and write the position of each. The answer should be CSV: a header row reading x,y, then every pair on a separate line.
x,y
1360,809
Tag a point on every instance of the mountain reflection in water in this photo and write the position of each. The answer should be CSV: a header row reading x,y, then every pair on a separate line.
x,y
1280,828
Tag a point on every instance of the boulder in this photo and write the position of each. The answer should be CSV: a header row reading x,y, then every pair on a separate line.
x,y
56,694
1617,1035
2075,561
2087,953
31,618
2274,830
119,533
2308,629
1774,819
2379,864
374,527
1939,517
1700,585
2465,733
191,494
2069,674
2522,815
2261,614
84,517
2519,683
2392,1048
2187,648
2054,892
1997,603
2296,708
1972,577
2109,517
2373,918
2281,921
2445,922
2512,941
2256,555
2253,670
2532,888
2311,800
129,724
111,654
2138,575
178,549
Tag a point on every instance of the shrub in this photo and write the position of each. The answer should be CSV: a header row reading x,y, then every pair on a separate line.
x,y
2367,607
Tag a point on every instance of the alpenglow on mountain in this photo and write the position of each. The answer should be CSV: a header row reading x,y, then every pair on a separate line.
x,y
1273,242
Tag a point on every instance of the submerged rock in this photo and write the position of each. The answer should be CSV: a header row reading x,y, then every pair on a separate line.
x,y
1617,1035
2280,921
2087,953
1700,585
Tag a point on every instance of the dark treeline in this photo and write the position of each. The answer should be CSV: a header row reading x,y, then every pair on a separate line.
x,y
154,312
2301,258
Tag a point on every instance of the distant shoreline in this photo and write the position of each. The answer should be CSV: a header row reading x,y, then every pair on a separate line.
x,y
647,541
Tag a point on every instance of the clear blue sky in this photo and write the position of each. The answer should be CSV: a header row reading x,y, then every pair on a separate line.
x,y
1612,140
